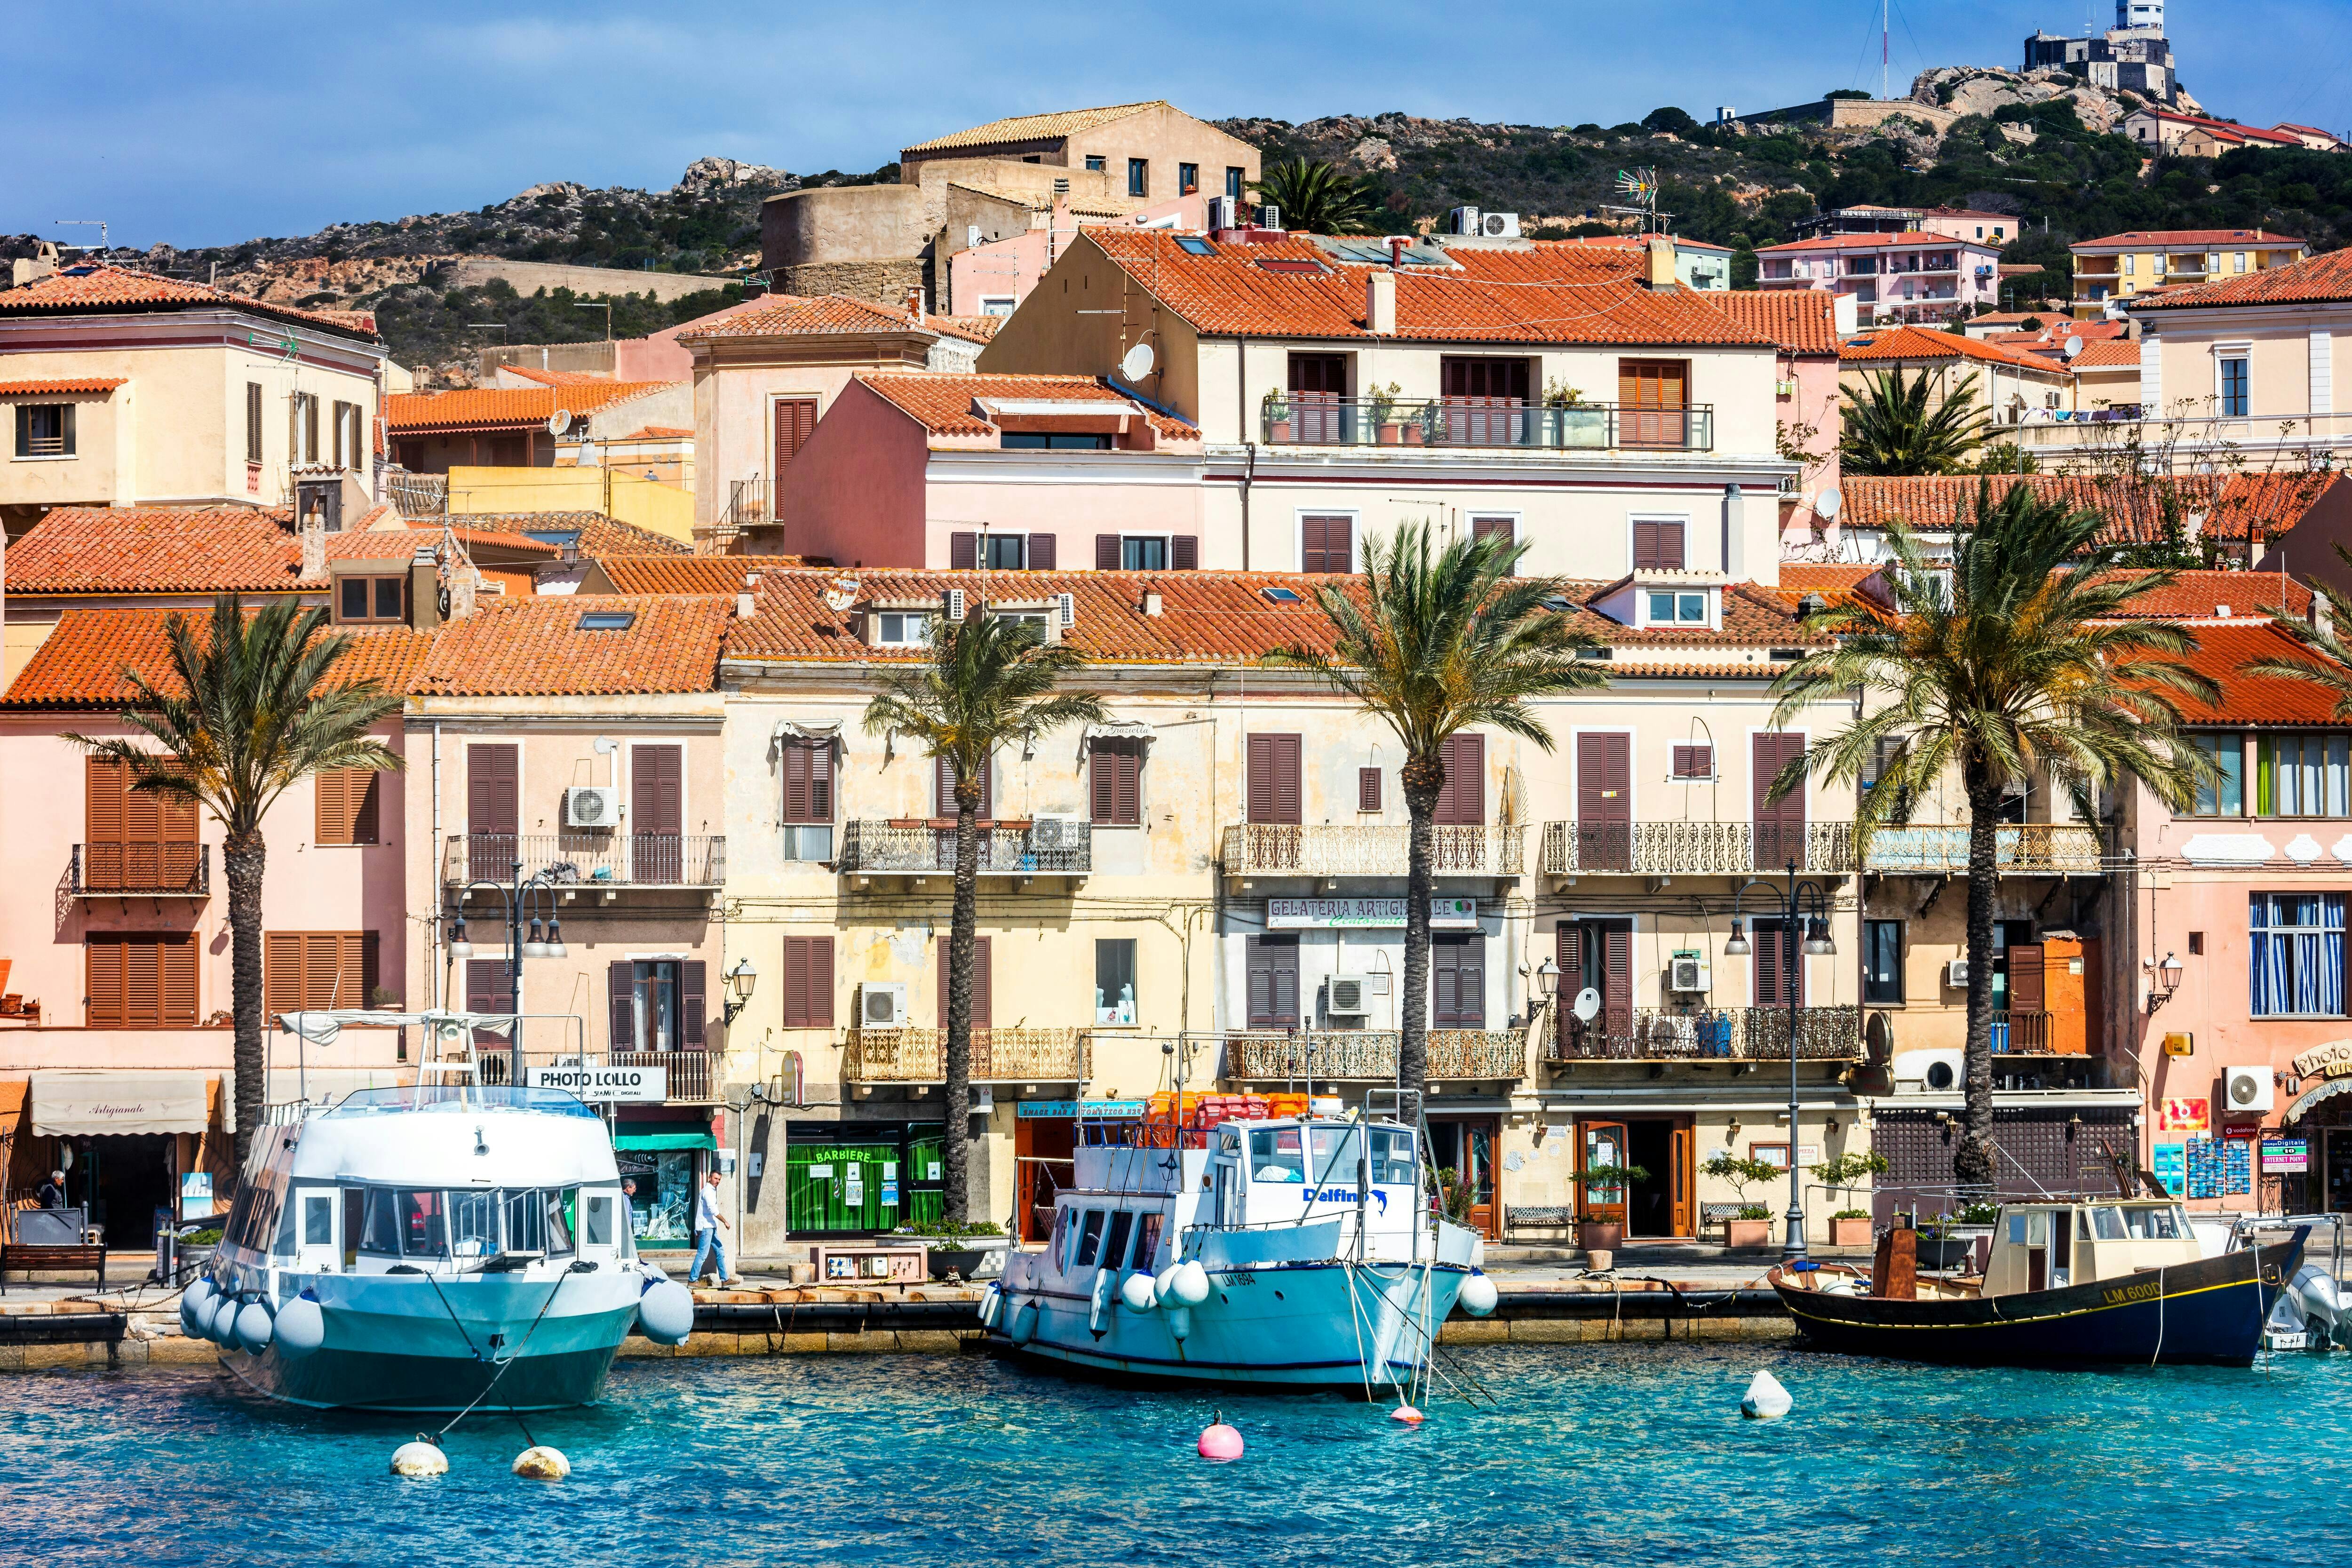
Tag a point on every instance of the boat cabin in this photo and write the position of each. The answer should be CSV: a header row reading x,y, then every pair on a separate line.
x,y
2049,1246
1277,1172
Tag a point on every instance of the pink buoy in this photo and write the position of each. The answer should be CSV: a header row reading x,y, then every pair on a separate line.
x,y
1220,1441
1407,1415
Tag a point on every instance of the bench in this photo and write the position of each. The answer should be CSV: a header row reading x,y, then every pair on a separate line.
x,y
29,1260
1547,1216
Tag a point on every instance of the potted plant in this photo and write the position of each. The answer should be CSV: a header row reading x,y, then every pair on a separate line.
x,y
1752,1225
1849,1226
1573,424
1380,406
959,1251
1428,427
384,999
1605,1235
1276,409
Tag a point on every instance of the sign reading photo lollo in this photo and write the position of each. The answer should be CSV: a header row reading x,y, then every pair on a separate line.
x,y
603,1085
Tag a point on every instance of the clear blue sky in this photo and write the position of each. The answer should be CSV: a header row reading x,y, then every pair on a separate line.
x,y
206,125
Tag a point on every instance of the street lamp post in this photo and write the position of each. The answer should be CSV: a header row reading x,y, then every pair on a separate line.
x,y
544,941
1817,941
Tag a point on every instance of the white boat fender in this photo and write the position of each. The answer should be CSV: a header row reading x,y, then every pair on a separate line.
x,y
1478,1295
222,1330
1098,1311
665,1312
1190,1286
1163,1284
991,1306
1766,1400
1180,1323
196,1307
253,1328
1137,1293
301,1326
419,1458
1021,1325
541,1463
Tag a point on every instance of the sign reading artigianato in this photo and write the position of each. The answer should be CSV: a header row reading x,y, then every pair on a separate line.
x,y
603,1085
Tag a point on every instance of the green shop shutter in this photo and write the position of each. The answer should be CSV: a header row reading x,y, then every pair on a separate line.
x,y
819,1185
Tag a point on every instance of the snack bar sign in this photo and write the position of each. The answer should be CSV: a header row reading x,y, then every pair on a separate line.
x,y
1324,914
603,1085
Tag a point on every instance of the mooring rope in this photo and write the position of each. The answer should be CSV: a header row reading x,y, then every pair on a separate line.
x,y
511,1357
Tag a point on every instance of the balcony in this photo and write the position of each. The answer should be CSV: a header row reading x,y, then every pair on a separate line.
x,y
2029,850
998,1056
1288,849
689,1078
1370,1056
1720,1034
1313,420
1694,849
150,870
602,860
1052,846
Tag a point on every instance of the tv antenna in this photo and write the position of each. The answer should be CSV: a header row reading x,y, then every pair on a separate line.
x,y
1640,189
97,222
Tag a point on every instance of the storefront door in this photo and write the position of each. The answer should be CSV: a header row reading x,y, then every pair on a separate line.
x,y
1658,1205
1604,1148
1466,1146
1043,1150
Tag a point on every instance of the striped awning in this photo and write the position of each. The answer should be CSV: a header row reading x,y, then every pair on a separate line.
x,y
2326,1091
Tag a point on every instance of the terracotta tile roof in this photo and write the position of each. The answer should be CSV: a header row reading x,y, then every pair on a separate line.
x,y
599,535
100,289
943,402
1033,127
2222,654
1907,238
796,315
1889,345
2223,596
2114,354
655,433
537,648
1802,321
83,384
80,664
1535,295
2233,504
978,328
504,407
1835,583
2315,279
689,573
2168,238
1972,214
556,377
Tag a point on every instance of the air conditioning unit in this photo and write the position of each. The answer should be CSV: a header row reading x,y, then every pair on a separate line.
x,y
1686,971
1066,605
1955,974
1223,213
2246,1088
1269,215
955,604
1927,1072
1053,832
1350,996
591,805
1463,220
882,1004
1499,225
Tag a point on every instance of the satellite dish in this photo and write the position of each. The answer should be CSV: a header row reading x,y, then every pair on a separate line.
x,y
840,593
1587,1006
2073,346
558,422
1830,504
1136,363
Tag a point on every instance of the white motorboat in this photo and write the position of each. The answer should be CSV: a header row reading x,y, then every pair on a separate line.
x,y
1297,1250
441,1247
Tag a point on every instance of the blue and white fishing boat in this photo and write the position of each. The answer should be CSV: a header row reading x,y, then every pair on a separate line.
x,y
1296,1251
442,1246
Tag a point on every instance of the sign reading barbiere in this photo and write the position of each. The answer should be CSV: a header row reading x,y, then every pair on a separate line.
x,y
603,1085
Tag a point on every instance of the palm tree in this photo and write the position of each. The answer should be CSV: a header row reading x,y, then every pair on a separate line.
x,y
250,707
1891,430
2020,665
1431,644
1315,198
989,681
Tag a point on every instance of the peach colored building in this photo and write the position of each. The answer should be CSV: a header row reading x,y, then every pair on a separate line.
x,y
1806,327
991,277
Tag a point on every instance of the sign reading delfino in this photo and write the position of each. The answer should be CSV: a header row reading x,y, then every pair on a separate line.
x,y
603,1085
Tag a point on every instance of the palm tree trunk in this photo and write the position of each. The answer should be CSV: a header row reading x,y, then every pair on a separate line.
x,y
955,1157
242,858
1422,778
1973,1161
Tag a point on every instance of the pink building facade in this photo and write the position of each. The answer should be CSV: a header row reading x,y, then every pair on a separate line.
x,y
991,280
1913,276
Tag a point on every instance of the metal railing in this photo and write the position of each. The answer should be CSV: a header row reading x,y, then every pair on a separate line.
x,y
171,870
915,1055
1713,1034
692,1077
1313,419
589,860
2021,1034
1695,848
1061,846
1371,1055
1942,849
1288,849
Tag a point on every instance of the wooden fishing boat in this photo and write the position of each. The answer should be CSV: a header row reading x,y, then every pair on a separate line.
x,y
2069,1282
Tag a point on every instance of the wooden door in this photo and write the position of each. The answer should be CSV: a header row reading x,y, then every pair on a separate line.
x,y
1682,1173
1486,401
1651,396
1604,1145
493,812
2027,1023
1327,543
1614,941
1604,802
795,423
1470,1146
1779,824
1318,387
657,814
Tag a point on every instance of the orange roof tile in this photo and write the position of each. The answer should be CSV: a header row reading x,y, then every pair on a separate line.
x,y
944,402
793,315
538,648
977,328
503,407
79,552
556,377
2114,354
83,384
655,433
1033,127
2162,238
1889,345
2222,654
598,534
690,573
2233,504
1834,581
1801,321
98,288
80,664
1538,294
2222,596
2315,279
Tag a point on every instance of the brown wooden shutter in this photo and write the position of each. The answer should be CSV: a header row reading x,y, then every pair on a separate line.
x,y
178,956
1617,977
796,983
980,983
658,789
1326,544
1773,971
1367,789
1462,799
1779,824
1657,545
281,973
1275,785
808,983
1604,802
1274,983
1694,762
1114,779
944,800
253,421
1041,552
493,810
1567,943
330,811
964,552
2026,991
1106,553
1670,547
103,982
795,423
621,1004
363,792
1457,966
808,781
1480,527
1184,552
693,1001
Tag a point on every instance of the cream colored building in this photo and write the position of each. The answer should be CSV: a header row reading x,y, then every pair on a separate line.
x,y
122,388
2116,268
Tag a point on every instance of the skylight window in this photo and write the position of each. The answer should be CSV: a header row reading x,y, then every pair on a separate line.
x,y
607,620
1291,264
559,537
1192,244
1280,595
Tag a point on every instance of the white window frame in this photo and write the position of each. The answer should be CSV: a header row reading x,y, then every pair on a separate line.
x,y
1167,550
1708,596
989,303
875,638
2241,350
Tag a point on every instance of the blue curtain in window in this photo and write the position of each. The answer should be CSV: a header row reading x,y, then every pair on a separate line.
x,y
2297,954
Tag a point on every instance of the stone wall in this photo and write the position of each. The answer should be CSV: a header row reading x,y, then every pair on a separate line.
x,y
884,281
530,276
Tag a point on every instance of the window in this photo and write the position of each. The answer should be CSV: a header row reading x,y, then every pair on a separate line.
x,y
303,429
795,422
1658,544
2238,262
1461,799
2196,944
1233,181
2301,776
1143,554
997,304
1090,1238
140,981
808,983
607,620
1274,792
1367,789
1480,527
347,435
2234,386
2297,955
369,598
1094,162
346,809
1053,441
1114,781
1277,1154
1457,981
1188,178
45,430
1272,982
1668,609
1115,980
1003,552
1139,177
901,628
2129,261
1882,962
1194,245
1327,543
1692,761
253,421
2224,795
944,800
807,818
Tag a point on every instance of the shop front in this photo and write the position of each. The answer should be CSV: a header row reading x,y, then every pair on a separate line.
x,y
861,1178
662,1161
124,1140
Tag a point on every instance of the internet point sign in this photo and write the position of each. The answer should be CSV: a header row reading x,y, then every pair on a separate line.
x,y
604,1085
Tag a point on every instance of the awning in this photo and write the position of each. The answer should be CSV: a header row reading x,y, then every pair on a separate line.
x,y
2328,1090
648,1141
319,1085
70,1103
324,1028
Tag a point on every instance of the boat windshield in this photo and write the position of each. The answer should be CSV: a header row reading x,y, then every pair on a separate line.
x,y
2155,1224
1392,1156
460,1097
1276,1154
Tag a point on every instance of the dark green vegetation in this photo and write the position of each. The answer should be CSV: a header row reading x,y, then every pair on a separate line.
x,y
429,326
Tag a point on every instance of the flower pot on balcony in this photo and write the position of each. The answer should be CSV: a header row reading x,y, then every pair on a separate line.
x,y
1600,1235
1278,431
1412,433
1850,1233
1747,1233
1391,433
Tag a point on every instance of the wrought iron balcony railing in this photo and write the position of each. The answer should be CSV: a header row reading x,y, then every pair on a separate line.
x,y
1694,849
691,1078
149,871
589,860
998,1056
1370,1056
1050,847
1315,419
2028,848
1286,849
1719,1034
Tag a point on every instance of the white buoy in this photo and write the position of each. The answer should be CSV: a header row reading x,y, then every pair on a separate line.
x,y
1098,1309
992,1305
221,1330
1180,1323
1190,1286
1766,1400
542,1463
195,1308
1478,1295
419,1458
665,1312
1021,1323
1163,1284
253,1328
1137,1293
301,1327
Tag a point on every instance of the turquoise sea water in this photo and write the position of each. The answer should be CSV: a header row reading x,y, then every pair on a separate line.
x,y
1602,1453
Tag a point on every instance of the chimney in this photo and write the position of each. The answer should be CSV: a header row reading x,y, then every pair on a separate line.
x,y
1151,601
745,606
1379,302
423,591
1398,244
1662,262
312,532
915,303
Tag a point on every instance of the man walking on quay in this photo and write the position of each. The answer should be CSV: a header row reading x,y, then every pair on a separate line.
x,y
708,1223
